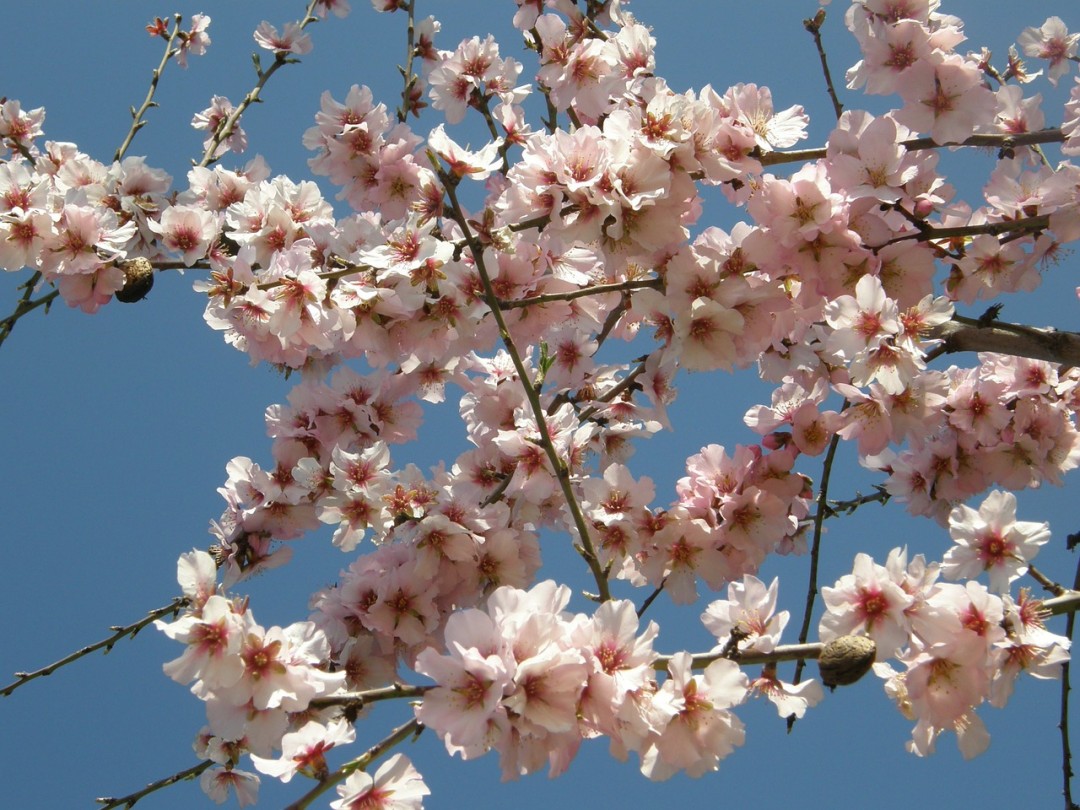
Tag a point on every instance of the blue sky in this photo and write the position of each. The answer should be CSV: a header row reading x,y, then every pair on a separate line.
x,y
116,429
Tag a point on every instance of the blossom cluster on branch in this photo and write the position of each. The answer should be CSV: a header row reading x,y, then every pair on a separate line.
x,y
559,278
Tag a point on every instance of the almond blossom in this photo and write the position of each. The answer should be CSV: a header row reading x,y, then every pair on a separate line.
x,y
991,539
396,785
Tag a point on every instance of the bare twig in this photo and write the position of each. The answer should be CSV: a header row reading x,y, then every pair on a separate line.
x,y
130,630
26,305
137,120
813,25
558,466
109,802
358,700
1063,723
835,508
599,289
784,652
1011,228
815,553
407,74
226,126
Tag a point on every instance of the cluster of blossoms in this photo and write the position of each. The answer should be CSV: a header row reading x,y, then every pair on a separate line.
x,y
577,237
960,644
518,675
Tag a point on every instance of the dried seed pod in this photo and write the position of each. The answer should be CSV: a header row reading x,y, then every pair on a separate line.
x,y
846,659
138,279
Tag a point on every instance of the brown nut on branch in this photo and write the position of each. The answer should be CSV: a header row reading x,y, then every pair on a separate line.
x,y
846,659
138,279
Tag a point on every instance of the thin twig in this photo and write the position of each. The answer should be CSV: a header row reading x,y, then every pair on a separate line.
x,y
226,126
1010,228
651,598
407,72
836,508
137,120
558,466
813,25
108,802
130,630
1063,724
815,552
810,651
25,305
784,652
358,700
599,289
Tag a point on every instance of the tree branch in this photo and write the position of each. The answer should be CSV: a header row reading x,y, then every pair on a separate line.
x,y
226,127
108,802
813,25
963,334
1003,142
130,630
137,120
558,466
25,305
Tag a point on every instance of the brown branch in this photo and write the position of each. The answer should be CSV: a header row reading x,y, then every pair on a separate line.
x,y
815,551
137,120
407,72
108,802
26,305
358,700
1003,142
784,652
1063,722
1068,602
970,335
813,25
225,127
558,466
599,289
1011,228
129,630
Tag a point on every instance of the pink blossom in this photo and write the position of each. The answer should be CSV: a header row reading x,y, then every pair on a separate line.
x,y
471,679
477,165
186,229
992,540
195,40
280,668
213,119
293,40
216,783
789,698
19,126
747,617
947,99
869,601
1051,41
753,106
214,636
703,730
304,750
396,785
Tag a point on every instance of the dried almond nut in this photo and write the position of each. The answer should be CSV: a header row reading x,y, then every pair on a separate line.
x,y
846,659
